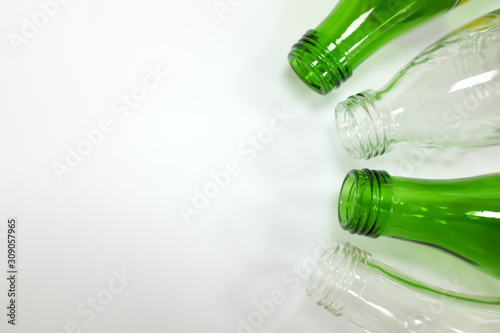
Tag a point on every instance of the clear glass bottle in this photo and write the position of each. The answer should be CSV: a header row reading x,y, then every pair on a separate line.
x,y
349,282
459,216
326,56
449,95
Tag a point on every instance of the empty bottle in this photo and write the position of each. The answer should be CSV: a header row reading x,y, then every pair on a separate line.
x,y
459,216
348,282
449,95
326,56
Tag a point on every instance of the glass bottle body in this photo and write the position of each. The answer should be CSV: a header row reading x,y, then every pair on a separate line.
x,y
449,95
459,216
355,29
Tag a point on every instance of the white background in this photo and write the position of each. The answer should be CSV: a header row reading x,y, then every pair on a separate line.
x,y
118,209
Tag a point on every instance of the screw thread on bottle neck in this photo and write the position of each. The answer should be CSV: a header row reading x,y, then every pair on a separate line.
x,y
319,62
364,125
335,277
361,202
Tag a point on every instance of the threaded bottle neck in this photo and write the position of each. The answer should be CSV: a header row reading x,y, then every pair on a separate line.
x,y
319,62
365,201
333,281
365,125
348,282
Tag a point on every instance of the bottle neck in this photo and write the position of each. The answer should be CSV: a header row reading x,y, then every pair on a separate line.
x,y
366,125
365,202
348,282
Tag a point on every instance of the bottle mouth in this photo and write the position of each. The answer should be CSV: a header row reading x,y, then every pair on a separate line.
x,y
332,279
361,200
363,127
307,72
318,62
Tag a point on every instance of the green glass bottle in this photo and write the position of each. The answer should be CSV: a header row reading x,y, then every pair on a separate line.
x,y
326,56
459,216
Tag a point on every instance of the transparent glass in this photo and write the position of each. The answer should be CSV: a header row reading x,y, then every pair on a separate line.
x,y
459,216
349,282
449,95
325,57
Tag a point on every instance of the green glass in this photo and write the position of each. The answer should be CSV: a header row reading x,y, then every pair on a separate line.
x,y
459,216
326,56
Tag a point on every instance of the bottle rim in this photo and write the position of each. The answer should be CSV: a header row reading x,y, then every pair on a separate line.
x,y
360,202
318,62
333,277
365,126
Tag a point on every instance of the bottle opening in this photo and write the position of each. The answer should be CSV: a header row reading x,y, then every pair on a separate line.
x,y
307,74
363,128
318,62
347,200
360,202
331,281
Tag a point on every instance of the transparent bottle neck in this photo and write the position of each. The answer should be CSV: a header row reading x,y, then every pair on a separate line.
x,y
348,282
366,125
